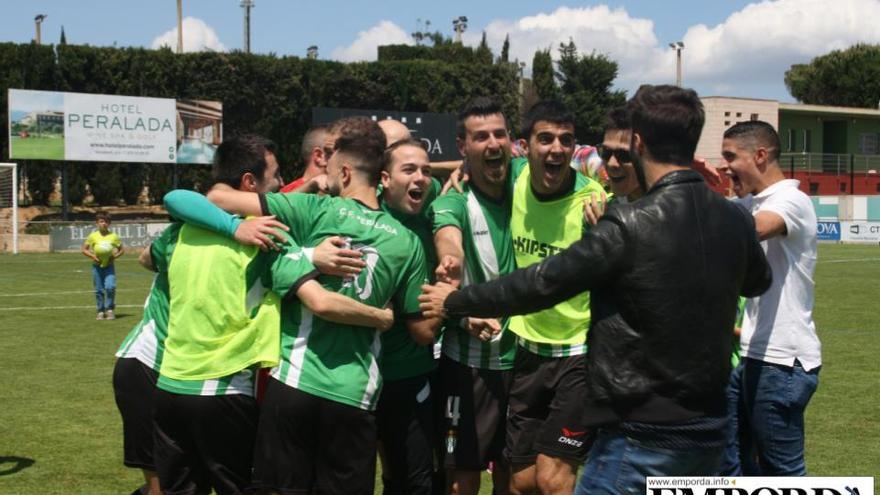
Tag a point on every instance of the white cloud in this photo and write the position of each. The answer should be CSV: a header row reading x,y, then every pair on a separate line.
x,y
197,37
365,47
746,55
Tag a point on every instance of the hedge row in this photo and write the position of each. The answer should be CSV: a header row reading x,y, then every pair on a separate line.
x,y
264,94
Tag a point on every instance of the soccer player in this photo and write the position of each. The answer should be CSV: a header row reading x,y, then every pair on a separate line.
x,y
473,241
103,247
137,366
404,414
317,430
312,155
224,324
546,436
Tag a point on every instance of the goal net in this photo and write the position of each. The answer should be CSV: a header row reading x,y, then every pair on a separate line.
x,y
9,207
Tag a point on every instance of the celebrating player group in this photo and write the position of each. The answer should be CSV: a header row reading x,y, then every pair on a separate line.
x,y
567,328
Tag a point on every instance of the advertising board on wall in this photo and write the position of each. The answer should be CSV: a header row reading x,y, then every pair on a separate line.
x,y
828,231
133,235
51,125
435,130
861,232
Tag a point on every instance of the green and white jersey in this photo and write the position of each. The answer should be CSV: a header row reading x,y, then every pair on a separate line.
x,y
241,383
540,228
146,341
329,360
401,356
488,252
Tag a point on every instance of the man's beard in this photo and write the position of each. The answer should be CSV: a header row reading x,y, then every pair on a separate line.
x,y
638,165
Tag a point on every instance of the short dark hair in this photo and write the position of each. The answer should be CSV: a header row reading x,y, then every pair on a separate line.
x,y
552,111
757,133
479,106
314,138
669,119
363,140
618,119
103,215
239,155
400,144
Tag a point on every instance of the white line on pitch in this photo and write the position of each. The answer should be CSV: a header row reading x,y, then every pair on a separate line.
x,y
40,308
853,260
60,292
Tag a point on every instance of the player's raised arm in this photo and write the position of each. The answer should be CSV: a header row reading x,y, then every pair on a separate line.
x,y
235,201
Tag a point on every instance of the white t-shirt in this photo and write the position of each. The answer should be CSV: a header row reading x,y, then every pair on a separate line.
x,y
778,325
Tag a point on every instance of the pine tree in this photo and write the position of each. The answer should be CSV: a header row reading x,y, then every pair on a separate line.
x,y
505,49
543,76
483,53
63,40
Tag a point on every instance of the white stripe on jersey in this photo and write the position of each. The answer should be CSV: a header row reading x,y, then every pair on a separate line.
x,y
209,387
482,239
373,379
298,352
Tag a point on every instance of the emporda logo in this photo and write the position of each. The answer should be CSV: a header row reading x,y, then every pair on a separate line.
x,y
760,485
761,490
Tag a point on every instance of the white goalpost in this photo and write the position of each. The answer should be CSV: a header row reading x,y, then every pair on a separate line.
x,y
9,206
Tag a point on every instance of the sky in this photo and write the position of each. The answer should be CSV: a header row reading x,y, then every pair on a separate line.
x,y
732,47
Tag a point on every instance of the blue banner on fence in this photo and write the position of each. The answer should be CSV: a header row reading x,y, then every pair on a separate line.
x,y
828,231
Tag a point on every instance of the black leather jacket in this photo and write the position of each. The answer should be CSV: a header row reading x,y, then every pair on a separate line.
x,y
664,274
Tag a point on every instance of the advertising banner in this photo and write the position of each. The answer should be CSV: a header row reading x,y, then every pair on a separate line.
x,y
862,232
133,235
49,125
759,485
828,231
435,130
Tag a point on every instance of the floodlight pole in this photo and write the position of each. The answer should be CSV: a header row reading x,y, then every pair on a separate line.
x,y
459,24
179,26
678,46
247,5
38,20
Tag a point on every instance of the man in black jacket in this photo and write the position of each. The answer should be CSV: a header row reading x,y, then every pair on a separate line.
x,y
664,274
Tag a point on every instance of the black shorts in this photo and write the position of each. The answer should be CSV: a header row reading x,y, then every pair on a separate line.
x,y
476,412
133,385
307,443
546,409
204,442
404,417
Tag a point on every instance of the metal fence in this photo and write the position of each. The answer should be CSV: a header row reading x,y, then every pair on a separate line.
x,y
839,164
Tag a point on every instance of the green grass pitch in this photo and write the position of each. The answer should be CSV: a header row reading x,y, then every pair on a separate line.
x,y
60,432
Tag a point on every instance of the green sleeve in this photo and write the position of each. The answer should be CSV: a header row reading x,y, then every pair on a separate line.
x,y
406,299
449,209
117,242
290,268
296,210
194,208
160,248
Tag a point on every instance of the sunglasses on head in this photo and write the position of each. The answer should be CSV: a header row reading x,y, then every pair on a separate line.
x,y
622,156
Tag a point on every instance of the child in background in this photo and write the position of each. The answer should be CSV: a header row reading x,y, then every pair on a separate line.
x,y
103,247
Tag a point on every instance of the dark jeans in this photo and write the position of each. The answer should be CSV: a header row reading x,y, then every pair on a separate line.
x,y
771,404
619,464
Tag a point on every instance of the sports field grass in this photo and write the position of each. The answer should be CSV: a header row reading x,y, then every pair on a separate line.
x,y
48,148
60,431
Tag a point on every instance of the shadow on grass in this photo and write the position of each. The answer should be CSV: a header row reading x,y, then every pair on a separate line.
x,y
17,464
